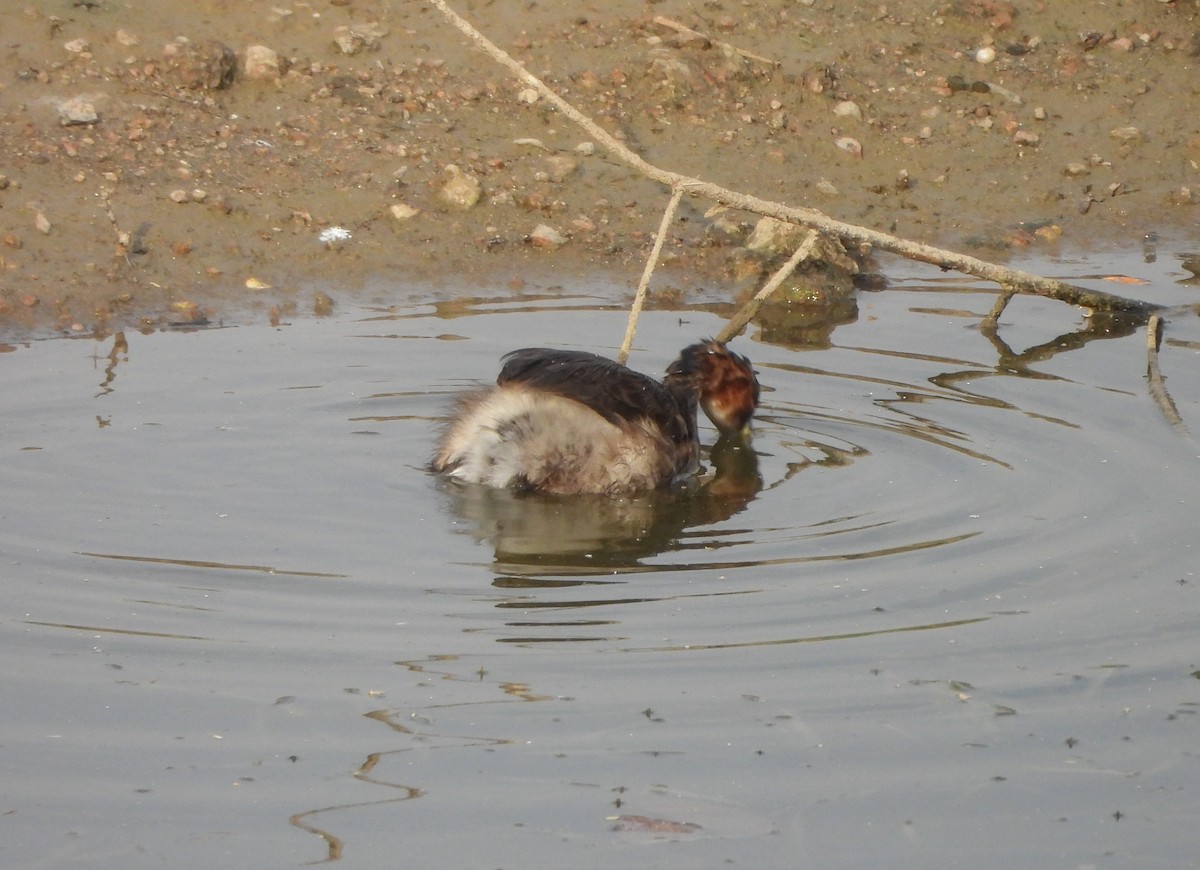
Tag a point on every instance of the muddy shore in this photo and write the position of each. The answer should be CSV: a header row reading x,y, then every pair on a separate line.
x,y
168,163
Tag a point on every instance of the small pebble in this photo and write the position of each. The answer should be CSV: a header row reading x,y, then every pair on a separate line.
x,y
462,190
262,62
77,110
546,237
179,196
849,145
559,167
985,55
848,109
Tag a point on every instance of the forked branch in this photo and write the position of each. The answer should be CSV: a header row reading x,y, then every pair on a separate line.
x,y
1011,280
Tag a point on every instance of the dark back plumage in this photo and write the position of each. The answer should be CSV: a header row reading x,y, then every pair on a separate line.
x,y
618,394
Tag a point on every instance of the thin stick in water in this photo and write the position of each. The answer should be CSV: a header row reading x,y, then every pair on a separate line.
x,y
738,322
640,298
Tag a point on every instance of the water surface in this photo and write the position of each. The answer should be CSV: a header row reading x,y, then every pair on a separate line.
x,y
951,622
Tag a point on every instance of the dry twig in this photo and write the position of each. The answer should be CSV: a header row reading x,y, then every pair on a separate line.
x,y
738,322
640,298
672,24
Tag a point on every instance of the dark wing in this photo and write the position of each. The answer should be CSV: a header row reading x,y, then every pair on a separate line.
x,y
616,393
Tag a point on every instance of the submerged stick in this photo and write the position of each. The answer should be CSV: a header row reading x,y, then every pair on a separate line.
x,y
1014,280
684,30
1158,386
640,298
993,317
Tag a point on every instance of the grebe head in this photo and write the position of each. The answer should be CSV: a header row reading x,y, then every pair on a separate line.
x,y
724,382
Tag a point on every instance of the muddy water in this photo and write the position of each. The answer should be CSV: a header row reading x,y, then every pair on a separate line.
x,y
946,613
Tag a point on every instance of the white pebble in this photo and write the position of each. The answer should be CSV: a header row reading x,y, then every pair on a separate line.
x,y
848,109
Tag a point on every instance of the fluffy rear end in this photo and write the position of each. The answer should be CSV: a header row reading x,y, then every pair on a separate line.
x,y
532,440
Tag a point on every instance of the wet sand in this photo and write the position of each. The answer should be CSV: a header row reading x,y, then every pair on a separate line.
x,y
158,166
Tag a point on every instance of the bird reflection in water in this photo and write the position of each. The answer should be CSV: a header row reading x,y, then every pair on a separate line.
x,y
537,534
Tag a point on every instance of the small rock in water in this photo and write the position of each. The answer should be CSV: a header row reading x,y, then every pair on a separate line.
x,y
403,212
77,110
462,190
208,65
850,145
262,63
322,304
359,37
544,236
771,235
559,167
848,109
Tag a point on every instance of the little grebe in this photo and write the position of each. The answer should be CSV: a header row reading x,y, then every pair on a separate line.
x,y
562,421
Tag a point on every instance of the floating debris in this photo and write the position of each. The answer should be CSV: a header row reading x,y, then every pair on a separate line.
x,y
651,825
333,235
